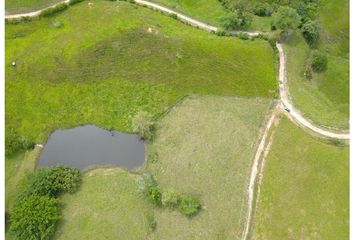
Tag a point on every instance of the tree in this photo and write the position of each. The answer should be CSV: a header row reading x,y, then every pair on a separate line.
x,y
236,20
310,32
189,205
52,181
286,19
263,9
319,61
143,125
34,218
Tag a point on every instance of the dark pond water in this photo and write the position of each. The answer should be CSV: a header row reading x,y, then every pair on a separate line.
x,y
90,146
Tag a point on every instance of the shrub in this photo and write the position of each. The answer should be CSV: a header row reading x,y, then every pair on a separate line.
x,y
35,217
263,9
337,142
72,2
170,199
155,195
14,142
143,125
236,20
308,73
173,15
53,181
54,10
189,205
310,32
319,61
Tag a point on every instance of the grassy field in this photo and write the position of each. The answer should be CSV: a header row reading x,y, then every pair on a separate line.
x,y
109,205
205,147
325,98
23,6
334,19
305,189
102,69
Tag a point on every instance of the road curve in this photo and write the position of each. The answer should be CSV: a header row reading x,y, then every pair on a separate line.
x,y
292,111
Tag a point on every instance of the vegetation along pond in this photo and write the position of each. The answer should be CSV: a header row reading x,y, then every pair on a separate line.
x,y
90,146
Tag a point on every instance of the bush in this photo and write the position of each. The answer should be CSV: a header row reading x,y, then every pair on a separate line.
x,y
337,142
189,205
155,195
310,32
34,218
170,199
236,20
53,181
143,125
263,9
308,73
319,61
72,2
54,10
14,142
242,35
173,15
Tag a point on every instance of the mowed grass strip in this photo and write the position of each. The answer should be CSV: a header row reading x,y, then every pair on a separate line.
x,y
325,98
108,205
305,189
82,66
205,147
20,6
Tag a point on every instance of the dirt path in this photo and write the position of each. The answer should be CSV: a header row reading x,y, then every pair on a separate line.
x,y
254,172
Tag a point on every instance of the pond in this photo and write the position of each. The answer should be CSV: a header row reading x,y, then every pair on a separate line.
x,y
90,146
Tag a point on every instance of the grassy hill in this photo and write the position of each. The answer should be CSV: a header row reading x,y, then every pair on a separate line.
x,y
305,188
82,66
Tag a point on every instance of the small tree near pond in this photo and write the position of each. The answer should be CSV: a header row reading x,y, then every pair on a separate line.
x,y
143,125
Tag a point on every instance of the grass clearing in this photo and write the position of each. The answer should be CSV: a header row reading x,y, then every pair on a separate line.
x,y
208,11
108,205
103,69
325,98
21,6
205,147
305,188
